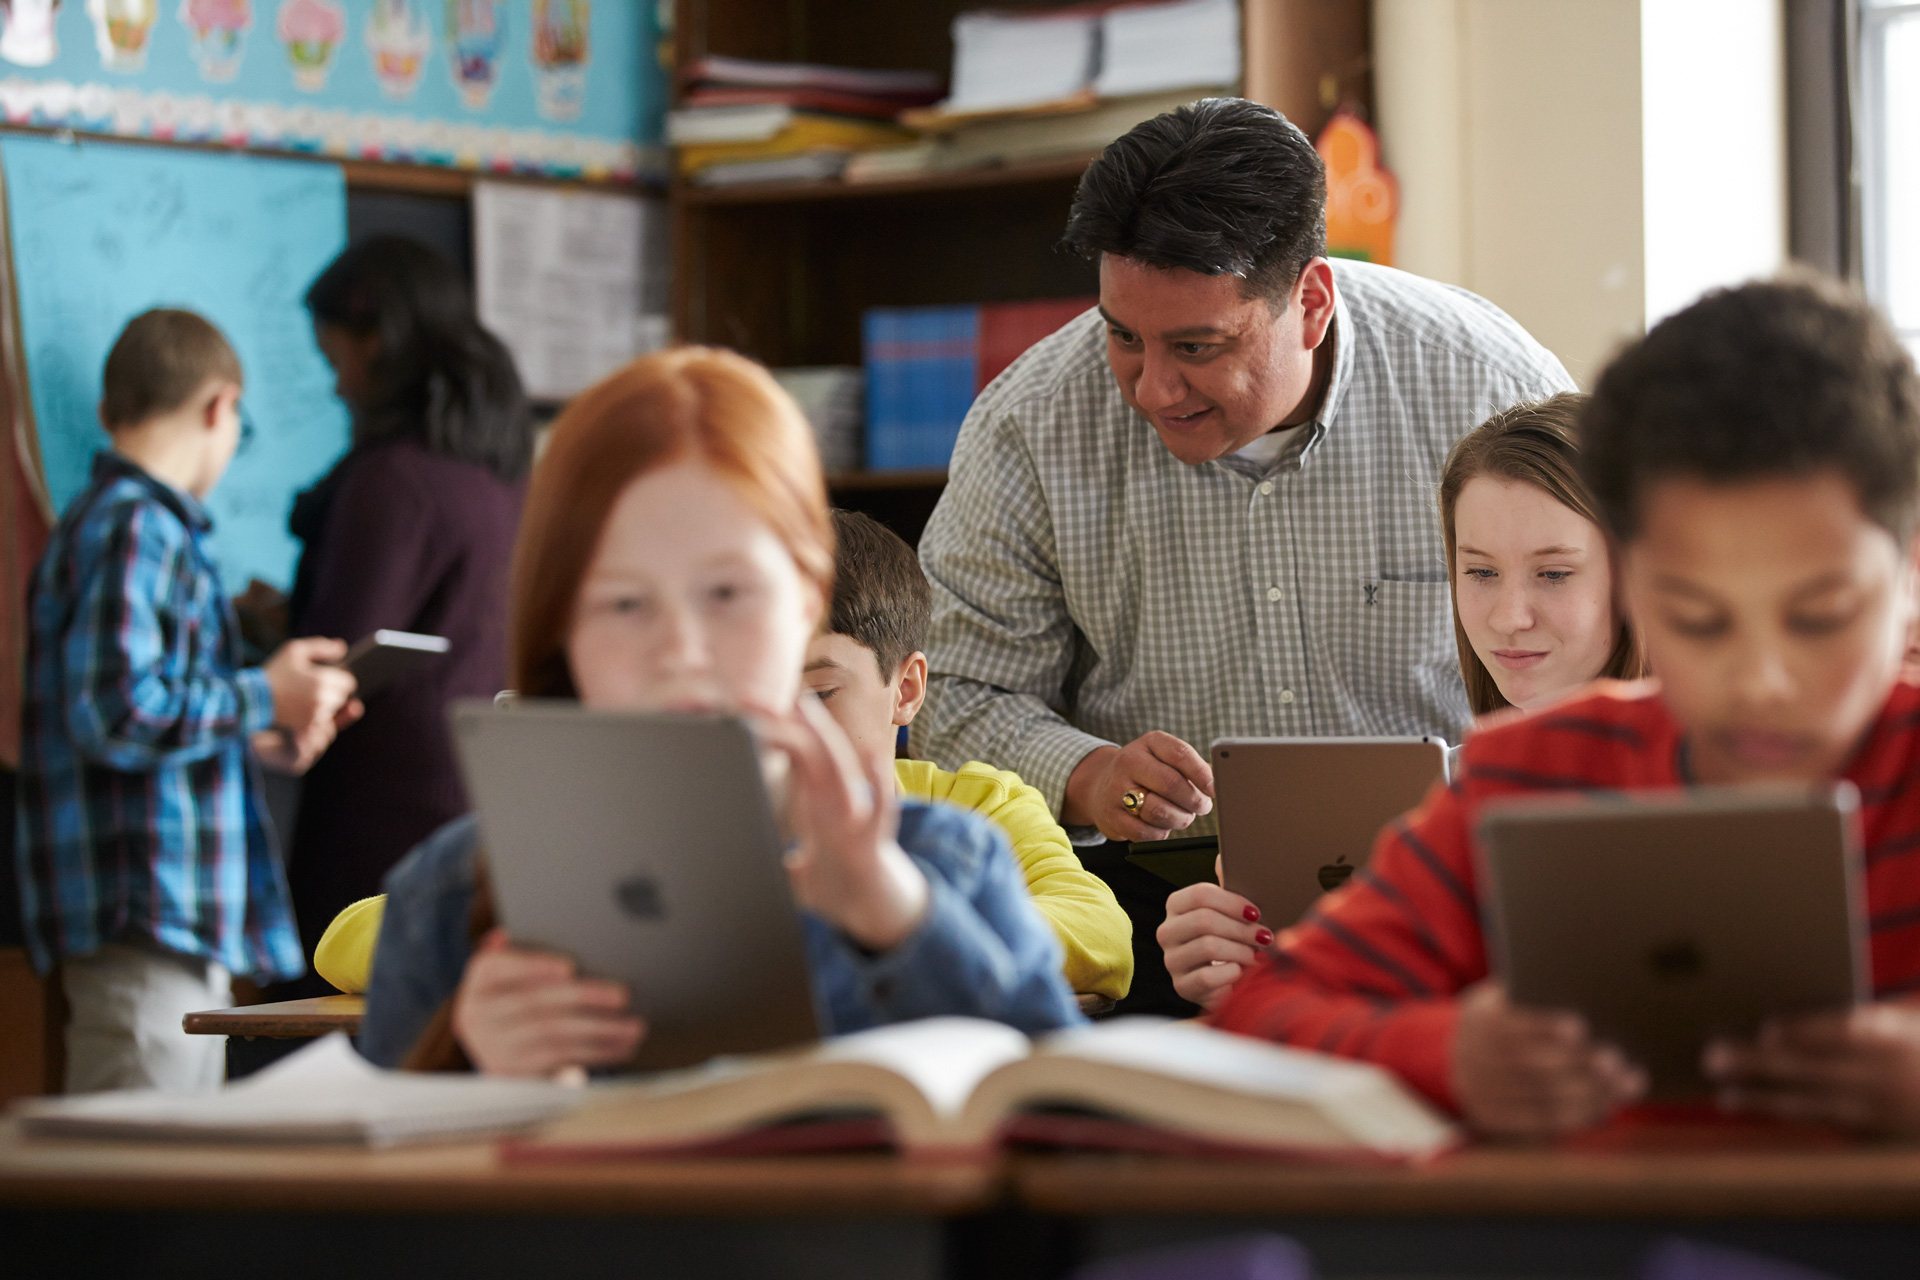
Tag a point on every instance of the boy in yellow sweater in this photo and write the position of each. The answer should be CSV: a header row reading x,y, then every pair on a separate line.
x,y
868,669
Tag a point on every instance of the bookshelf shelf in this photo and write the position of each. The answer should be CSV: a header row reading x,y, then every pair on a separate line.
x,y
1067,169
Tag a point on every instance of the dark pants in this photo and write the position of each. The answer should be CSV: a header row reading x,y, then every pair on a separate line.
x,y
1143,896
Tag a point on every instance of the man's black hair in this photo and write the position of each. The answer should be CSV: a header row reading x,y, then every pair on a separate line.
x,y
1222,187
1790,377
880,597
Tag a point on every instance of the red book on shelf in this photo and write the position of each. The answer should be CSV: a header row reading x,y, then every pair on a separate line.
x,y
909,88
1007,329
827,100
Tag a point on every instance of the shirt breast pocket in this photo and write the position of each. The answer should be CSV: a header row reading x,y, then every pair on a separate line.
x,y
1392,648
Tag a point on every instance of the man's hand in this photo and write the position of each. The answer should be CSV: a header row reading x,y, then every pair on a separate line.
x,y
1857,1068
1529,1073
310,692
1176,782
1209,938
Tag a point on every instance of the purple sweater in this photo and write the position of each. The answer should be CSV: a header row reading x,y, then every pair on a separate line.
x,y
401,538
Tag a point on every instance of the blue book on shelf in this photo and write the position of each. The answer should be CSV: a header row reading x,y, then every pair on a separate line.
x,y
922,366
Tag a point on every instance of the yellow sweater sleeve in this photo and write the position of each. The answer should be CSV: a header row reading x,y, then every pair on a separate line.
x,y
344,955
1093,930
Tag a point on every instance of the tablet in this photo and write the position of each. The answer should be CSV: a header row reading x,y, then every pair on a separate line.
x,y
1298,816
1671,918
644,847
386,656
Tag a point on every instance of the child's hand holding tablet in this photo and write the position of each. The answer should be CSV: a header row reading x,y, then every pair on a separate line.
x,y
1857,1068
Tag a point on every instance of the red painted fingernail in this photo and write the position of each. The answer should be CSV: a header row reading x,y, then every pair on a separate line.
x,y
1252,913
1262,937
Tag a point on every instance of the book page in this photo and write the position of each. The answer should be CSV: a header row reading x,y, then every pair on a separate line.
x,y
943,1057
1199,1053
325,1091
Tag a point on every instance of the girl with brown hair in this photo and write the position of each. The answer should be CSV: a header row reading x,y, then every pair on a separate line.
x,y
1533,600
1533,613
676,555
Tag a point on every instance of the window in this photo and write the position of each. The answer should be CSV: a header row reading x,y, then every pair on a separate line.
x,y
1890,159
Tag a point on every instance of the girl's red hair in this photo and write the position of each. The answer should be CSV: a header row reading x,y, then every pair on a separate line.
x,y
690,402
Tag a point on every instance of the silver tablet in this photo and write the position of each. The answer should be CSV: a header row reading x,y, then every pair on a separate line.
x,y
644,846
1300,815
1671,918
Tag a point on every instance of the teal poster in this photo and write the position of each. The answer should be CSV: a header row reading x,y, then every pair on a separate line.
x,y
102,232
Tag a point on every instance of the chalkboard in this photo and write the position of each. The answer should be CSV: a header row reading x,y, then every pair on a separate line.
x,y
102,232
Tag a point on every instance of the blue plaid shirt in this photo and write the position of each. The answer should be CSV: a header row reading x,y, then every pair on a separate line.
x,y
141,812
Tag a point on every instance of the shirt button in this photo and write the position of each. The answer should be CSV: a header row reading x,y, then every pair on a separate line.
x,y
1273,593
1266,488
1286,695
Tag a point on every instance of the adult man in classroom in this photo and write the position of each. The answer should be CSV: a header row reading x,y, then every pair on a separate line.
x,y
1208,508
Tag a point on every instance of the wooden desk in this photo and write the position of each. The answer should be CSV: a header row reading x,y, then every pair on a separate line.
x,y
1853,1211
163,1210
285,1020
101,1208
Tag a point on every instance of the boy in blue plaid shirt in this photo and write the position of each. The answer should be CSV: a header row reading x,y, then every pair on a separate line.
x,y
148,873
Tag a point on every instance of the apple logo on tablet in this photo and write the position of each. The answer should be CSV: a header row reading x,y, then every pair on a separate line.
x,y
1335,874
1677,960
639,896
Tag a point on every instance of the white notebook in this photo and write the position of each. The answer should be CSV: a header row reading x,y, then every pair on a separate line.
x,y
326,1092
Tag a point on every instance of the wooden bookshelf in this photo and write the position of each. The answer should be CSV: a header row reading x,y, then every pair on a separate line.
x,y
783,272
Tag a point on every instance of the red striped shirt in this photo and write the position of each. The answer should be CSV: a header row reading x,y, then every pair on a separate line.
x,y
1372,972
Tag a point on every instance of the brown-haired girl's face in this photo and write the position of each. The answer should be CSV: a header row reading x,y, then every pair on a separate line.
x,y
691,603
1534,589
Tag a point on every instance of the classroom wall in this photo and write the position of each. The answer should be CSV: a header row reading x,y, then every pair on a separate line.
x,y
1589,165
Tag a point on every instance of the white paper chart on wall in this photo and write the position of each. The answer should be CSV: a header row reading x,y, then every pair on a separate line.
x,y
102,232
574,282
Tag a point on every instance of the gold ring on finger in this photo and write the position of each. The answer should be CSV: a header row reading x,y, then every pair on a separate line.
x,y
1133,802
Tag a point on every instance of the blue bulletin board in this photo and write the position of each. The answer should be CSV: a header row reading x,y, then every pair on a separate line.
x,y
102,232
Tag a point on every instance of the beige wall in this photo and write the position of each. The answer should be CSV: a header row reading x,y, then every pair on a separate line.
x,y
1514,127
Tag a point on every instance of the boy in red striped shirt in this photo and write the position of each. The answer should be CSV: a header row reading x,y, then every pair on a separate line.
x,y
1756,459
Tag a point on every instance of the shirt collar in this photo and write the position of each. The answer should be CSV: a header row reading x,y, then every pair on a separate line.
x,y
108,465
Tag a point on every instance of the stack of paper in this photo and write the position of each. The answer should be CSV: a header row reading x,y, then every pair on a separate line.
x,y
747,121
1185,44
1006,60
324,1093
1009,61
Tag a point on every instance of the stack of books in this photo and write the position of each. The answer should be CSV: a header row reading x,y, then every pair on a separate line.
x,y
926,364
1029,86
746,121
830,396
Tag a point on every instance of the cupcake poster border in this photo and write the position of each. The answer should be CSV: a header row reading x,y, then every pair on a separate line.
x,y
505,85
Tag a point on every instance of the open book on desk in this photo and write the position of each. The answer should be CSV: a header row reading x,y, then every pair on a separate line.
x,y
959,1087
326,1092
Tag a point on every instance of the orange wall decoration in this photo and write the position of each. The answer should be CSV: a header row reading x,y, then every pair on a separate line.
x,y
1363,199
